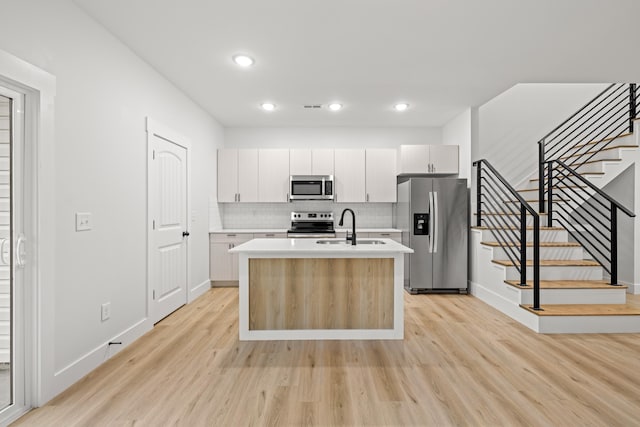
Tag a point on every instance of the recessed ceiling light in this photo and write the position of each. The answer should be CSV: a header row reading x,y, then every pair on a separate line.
x,y
243,60
401,107
335,106
268,106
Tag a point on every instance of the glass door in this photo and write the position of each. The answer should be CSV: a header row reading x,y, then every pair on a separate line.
x,y
12,308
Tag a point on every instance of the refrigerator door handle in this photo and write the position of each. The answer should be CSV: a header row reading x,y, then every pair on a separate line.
x,y
435,222
431,219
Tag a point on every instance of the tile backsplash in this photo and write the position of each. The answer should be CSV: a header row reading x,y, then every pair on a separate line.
x,y
277,215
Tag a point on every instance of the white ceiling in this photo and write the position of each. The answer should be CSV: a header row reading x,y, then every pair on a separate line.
x,y
440,56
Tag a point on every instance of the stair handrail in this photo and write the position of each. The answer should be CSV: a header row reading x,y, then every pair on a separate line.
x,y
625,98
614,207
487,183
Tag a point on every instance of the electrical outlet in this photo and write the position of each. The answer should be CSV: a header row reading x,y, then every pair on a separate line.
x,y
105,311
83,221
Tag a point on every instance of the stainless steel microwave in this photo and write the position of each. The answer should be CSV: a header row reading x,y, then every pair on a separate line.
x,y
311,187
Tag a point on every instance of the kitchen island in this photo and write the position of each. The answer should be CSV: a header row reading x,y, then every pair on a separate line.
x,y
321,289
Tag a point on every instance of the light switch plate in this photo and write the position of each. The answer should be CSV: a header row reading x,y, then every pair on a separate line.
x,y
83,221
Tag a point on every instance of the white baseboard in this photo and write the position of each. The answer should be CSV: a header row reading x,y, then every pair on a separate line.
x,y
504,305
198,291
77,369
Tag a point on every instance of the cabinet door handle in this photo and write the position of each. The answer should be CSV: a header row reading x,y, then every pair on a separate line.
x,y
269,235
231,235
367,197
385,234
238,196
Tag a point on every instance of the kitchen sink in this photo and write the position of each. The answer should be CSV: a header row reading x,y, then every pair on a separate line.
x,y
344,242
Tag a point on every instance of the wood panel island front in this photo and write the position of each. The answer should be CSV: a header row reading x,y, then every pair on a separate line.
x,y
321,289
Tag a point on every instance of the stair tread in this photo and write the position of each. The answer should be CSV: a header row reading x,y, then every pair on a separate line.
x,y
566,284
553,262
530,244
507,213
585,310
484,227
562,186
579,173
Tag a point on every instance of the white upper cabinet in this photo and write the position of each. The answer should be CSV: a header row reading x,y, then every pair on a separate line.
x,y
227,176
322,162
248,176
444,159
273,175
237,175
381,175
300,161
311,162
349,175
422,159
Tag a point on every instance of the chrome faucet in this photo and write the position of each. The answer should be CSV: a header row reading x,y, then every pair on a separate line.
x,y
353,234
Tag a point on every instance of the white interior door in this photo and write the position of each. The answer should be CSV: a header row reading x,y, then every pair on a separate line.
x,y
12,254
169,232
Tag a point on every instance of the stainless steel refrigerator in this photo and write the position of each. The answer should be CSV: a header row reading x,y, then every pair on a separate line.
x,y
432,214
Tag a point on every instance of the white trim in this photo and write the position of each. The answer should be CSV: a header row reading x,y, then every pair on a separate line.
x,y
160,130
198,290
39,88
77,369
505,306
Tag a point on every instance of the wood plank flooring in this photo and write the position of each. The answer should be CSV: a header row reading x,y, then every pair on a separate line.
x,y
461,363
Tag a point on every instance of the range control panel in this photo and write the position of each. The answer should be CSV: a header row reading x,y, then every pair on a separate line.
x,y
312,216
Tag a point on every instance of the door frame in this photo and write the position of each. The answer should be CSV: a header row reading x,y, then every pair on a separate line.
x,y
38,88
158,129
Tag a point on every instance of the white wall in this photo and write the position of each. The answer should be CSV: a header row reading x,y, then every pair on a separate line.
x,y
511,124
330,137
104,93
458,132
622,189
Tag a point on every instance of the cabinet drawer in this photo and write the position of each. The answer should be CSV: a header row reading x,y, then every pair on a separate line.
x,y
270,235
236,238
394,236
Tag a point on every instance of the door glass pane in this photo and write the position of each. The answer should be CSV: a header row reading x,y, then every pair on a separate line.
x,y
6,397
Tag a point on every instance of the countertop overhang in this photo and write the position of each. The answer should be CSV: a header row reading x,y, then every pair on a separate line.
x,y
310,247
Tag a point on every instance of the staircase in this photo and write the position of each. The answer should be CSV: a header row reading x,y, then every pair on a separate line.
x,y
558,277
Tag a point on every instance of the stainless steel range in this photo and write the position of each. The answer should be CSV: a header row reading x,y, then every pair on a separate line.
x,y
311,225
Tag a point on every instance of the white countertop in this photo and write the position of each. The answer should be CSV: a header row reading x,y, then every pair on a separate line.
x,y
284,230
248,230
307,247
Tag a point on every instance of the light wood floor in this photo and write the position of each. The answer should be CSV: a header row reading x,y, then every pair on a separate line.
x,y
462,363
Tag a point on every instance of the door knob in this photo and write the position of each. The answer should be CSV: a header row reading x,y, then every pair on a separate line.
x,y
185,233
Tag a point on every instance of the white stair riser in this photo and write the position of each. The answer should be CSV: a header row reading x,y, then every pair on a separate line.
x,y
557,253
510,220
545,235
600,155
590,167
576,296
588,324
558,273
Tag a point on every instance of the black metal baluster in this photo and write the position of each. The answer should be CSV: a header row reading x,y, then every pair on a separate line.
x,y
632,105
614,244
523,245
550,194
479,193
536,265
541,175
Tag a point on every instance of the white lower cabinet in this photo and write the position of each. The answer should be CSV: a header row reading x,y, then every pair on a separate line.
x,y
223,266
